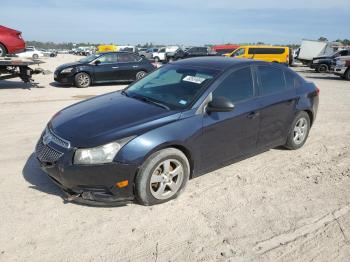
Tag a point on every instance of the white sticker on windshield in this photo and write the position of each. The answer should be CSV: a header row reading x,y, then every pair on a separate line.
x,y
194,79
182,102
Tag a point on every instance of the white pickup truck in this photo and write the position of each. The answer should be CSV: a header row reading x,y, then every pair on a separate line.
x,y
160,56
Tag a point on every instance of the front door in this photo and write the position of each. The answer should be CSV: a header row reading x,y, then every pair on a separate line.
x,y
107,69
228,135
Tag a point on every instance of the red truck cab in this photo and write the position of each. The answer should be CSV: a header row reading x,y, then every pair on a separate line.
x,y
11,41
223,49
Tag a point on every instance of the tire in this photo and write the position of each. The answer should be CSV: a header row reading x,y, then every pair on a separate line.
x,y
347,74
157,59
140,74
82,80
299,131
3,51
322,68
160,191
35,56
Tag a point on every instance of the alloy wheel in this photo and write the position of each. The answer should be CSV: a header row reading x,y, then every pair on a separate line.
x,y
300,131
166,179
83,80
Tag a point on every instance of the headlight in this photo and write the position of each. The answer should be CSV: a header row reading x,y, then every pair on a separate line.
x,y
101,154
67,70
316,61
340,63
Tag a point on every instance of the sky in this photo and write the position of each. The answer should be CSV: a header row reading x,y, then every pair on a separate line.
x,y
187,22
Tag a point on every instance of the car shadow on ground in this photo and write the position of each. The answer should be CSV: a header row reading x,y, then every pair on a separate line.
x,y
326,77
59,85
16,85
33,174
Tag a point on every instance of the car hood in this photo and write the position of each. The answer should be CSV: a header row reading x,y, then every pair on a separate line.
x,y
69,65
322,57
107,118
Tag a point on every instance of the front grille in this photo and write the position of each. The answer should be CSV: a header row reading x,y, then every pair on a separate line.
x,y
46,154
56,139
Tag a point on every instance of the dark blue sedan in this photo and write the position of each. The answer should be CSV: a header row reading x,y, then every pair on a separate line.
x,y
178,122
104,68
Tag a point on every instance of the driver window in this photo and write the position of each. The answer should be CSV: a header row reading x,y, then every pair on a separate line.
x,y
108,59
239,52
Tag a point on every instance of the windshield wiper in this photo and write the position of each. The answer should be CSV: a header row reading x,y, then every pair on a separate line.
x,y
124,93
151,101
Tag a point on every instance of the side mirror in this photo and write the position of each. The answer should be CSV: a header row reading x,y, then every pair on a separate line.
x,y
97,62
220,104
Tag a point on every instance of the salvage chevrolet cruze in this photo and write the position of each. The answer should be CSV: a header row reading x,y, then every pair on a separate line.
x,y
186,118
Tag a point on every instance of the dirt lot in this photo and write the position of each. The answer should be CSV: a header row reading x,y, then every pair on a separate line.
x,y
277,206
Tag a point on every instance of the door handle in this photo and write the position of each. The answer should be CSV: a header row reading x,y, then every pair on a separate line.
x,y
253,115
135,66
115,67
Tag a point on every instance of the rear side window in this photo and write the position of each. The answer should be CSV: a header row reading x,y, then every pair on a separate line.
x,y
127,58
271,79
237,86
261,51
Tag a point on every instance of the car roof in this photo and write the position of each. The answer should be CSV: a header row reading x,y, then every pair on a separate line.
x,y
216,62
117,52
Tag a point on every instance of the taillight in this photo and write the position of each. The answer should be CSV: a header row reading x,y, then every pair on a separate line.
x,y
317,91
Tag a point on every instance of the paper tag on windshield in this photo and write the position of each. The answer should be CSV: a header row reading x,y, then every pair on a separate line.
x,y
194,79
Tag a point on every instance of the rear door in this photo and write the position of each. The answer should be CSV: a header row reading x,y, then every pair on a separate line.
x,y
228,135
129,64
107,69
278,101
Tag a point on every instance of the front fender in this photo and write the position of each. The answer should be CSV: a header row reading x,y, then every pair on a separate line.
x,y
183,133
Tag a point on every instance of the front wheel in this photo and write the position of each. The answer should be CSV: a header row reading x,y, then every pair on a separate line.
x,y
347,74
162,177
82,80
35,56
322,68
299,132
2,51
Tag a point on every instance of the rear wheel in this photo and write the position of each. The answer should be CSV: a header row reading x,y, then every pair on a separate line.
x,y
157,59
3,51
322,68
82,80
35,56
140,74
299,132
162,177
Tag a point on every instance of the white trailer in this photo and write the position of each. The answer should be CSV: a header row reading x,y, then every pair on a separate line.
x,y
313,48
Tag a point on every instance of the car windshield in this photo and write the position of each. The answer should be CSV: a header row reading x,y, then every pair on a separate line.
x,y
172,86
88,59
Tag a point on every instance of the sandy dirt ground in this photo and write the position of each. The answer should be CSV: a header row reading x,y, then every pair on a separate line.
x,y
277,206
